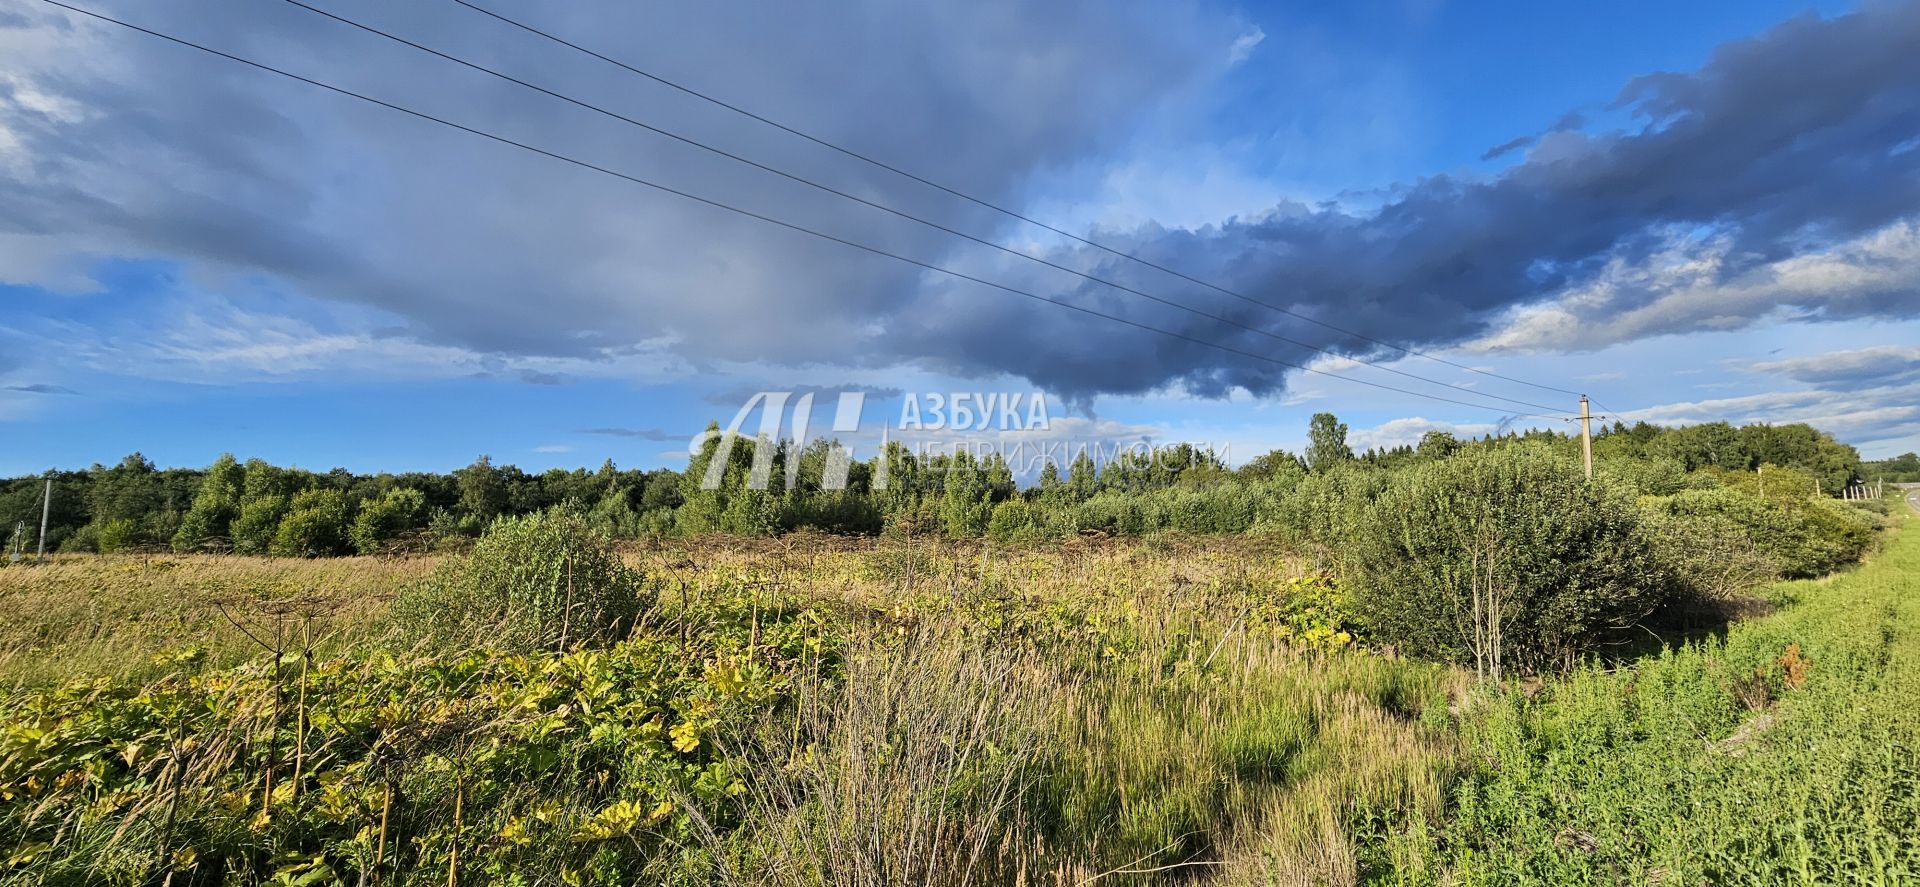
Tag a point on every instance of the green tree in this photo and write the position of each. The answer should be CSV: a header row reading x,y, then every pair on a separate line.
x,y
1083,477
214,507
1437,445
1326,442
1904,468
967,499
380,521
126,498
1050,485
258,522
730,505
1274,464
483,493
315,525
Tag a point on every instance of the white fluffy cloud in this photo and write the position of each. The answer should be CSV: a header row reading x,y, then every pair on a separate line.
x,y
1864,417
1882,365
1407,431
1691,285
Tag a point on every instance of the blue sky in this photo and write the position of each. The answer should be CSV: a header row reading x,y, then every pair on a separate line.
x,y
1704,212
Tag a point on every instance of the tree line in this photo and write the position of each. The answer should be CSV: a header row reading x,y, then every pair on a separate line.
x,y
1901,469
254,507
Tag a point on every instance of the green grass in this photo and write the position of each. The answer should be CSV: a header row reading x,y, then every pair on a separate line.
x,y
1139,713
1722,762
1153,704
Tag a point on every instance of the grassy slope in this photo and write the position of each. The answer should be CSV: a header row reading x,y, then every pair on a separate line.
x,y
1722,762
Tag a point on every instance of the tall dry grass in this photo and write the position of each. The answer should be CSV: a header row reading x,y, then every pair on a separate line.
x,y
1247,758
1203,753
111,615
916,768
1098,712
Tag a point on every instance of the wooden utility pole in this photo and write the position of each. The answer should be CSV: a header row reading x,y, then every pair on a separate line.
x,y
1586,436
46,505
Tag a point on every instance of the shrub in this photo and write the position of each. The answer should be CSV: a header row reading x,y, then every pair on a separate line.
x,y
1807,536
1711,558
1013,521
752,513
1656,476
967,500
834,511
545,580
1111,512
446,532
84,539
1321,509
253,530
1506,558
120,534
384,519
315,525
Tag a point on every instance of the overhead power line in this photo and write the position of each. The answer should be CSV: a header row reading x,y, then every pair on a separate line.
x,y
937,226
470,130
987,204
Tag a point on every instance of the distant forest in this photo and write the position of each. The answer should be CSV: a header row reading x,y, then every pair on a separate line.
x,y
253,507
1901,469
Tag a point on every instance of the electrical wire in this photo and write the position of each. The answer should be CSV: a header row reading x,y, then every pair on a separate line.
x,y
748,213
1115,251
892,210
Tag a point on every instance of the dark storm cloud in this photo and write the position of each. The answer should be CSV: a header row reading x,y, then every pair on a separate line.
x,y
1789,142
1785,143
151,150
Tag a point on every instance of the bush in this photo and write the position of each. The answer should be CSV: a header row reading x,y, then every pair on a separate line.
x,y
121,534
1321,509
1807,536
384,519
1013,521
833,511
315,526
85,539
1711,558
1505,558
1653,476
254,529
542,581
967,500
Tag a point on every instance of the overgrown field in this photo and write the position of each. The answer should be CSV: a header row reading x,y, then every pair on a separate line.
x,y
815,710
1050,712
